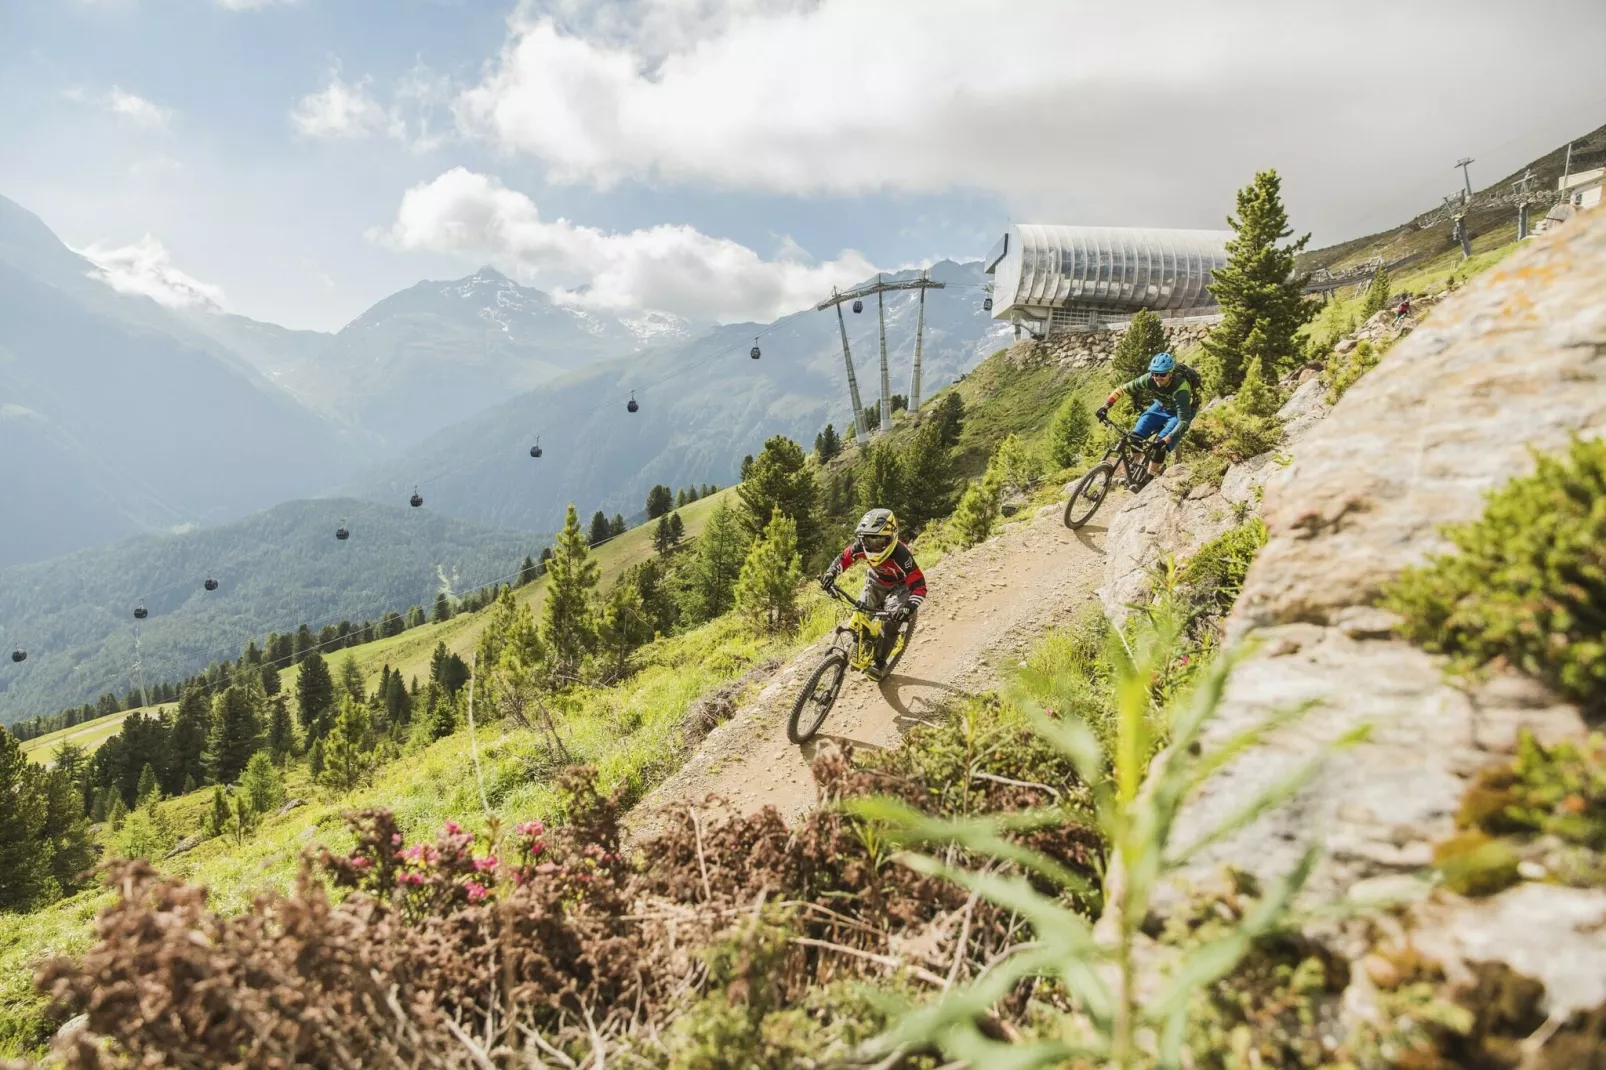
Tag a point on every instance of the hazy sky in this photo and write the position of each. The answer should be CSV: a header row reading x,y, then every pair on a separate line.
x,y
297,160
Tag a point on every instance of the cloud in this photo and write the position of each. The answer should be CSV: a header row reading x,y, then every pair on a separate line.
x,y
1083,110
132,109
344,110
146,268
671,268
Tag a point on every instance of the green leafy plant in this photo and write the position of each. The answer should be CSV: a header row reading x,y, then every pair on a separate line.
x,y
1216,571
1526,583
1137,802
1342,370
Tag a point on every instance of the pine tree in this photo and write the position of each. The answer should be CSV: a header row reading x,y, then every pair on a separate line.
x,y
1377,294
1258,288
236,730
928,479
780,477
565,624
148,789
880,478
766,589
315,759
528,571
445,713
116,813
622,626
949,414
1069,432
677,530
351,681
599,528
146,834
348,755
65,835
281,733
398,704
1250,422
270,680
303,645
443,608
681,501
717,561
1142,339
973,520
261,785
190,786
187,741
24,866
827,445
415,619
659,501
1016,465
747,466
616,526
447,670
315,696
662,536
219,817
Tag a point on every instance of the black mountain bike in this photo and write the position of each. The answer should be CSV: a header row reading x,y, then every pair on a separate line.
x,y
1130,457
854,647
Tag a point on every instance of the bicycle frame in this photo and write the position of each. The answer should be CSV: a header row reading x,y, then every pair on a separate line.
x,y
1125,449
864,626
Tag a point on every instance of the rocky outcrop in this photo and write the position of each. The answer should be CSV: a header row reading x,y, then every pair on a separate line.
x,y
1514,361
1084,349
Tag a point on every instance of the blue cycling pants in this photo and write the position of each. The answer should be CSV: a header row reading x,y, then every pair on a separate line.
x,y
1157,421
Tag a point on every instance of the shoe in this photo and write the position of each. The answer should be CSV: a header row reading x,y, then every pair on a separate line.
x,y
876,672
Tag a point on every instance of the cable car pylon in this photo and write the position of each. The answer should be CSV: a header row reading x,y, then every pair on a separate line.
x,y
922,282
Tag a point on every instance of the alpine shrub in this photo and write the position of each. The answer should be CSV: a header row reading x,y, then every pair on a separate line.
x,y
1526,582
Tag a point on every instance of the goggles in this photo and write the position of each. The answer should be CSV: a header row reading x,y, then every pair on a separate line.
x,y
876,543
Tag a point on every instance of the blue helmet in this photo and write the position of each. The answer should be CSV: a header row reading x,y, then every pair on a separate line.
x,y
1162,363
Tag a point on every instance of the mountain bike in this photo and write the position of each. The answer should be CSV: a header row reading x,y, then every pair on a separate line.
x,y
853,647
1131,456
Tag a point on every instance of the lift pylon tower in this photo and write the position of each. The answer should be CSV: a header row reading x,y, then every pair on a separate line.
x,y
879,287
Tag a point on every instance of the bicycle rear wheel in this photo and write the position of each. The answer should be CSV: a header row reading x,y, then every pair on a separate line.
x,y
1088,495
817,697
902,643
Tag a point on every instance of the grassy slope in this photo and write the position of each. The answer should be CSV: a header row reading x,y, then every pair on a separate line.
x,y
411,650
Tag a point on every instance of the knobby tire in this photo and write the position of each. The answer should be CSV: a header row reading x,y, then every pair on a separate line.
x,y
835,662
908,634
1100,477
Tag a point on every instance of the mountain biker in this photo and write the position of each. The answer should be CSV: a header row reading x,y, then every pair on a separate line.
x,y
1404,311
1175,390
894,583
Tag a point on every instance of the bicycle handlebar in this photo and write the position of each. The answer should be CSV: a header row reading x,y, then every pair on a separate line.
x,y
842,596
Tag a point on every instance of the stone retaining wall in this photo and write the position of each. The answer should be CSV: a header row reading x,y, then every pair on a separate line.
x,y
1083,349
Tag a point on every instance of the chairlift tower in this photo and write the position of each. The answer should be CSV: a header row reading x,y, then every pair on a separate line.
x,y
922,283
1466,175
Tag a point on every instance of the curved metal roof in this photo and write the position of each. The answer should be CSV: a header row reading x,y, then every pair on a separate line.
x,y
1108,267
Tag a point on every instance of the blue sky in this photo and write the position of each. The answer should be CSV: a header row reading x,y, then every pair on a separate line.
x,y
297,160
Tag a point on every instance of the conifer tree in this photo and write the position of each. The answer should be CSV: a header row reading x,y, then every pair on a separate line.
x,y
148,789
24,866
766,589
262,785
599,528
187,740
415,619
662,535
717,561
880,478
315,696
219,817
443,608
677,530
447,670
398,704
147,834
616,526
565,625
780,477
303,645
1250,422
65,835
973,520
236,730
117,812
348,753
681,501
622,627
190,785
351,681
949,414
528,571
281,733
659,501
1142,339
927,471
1377,294
827,444
747,466
270,680
1069,432
1257,288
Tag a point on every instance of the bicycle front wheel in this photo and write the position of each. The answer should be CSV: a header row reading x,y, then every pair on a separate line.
x,y
1088,495
817,697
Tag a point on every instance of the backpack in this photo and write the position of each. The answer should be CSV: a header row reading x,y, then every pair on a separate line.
x,y
1193,380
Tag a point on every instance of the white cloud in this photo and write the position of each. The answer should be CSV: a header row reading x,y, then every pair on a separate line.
x,y
672,268
146,268
349,110
132,109
1091,110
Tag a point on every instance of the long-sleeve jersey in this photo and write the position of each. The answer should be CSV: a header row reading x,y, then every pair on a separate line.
x,y
1178,399
898,570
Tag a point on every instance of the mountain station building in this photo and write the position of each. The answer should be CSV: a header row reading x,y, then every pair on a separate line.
x,y
1049,279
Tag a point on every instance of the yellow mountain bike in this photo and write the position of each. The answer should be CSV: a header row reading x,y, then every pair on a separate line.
x,y
853,647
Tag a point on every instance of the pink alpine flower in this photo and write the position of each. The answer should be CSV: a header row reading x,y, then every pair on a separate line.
x,y
476,892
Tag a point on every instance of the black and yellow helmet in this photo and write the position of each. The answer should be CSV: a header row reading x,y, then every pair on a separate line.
x,y
877,532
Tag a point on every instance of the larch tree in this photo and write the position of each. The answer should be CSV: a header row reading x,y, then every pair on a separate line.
x,y
236,730
600,529
315,696
442,610
766,589
1142,339
717,561
659,501
780,477
24,865
572,577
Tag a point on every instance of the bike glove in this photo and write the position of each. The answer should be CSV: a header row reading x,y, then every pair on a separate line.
x,y
1103,411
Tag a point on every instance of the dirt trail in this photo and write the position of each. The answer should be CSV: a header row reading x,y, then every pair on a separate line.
x,y
985,606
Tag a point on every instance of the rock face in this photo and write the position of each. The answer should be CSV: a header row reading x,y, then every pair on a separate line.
x,y
1083,349
1515,360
